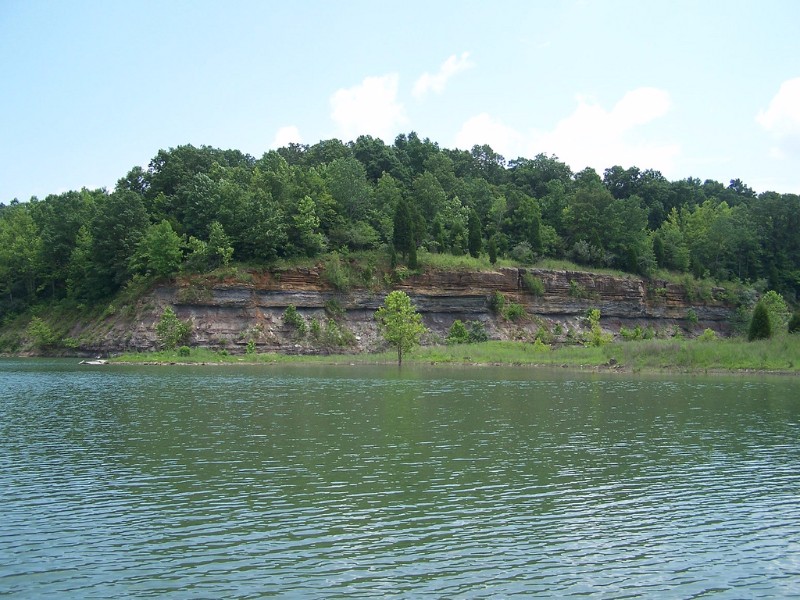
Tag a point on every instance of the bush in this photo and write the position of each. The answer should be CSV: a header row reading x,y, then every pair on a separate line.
x,y
709,335
40,333
458,333
760,328
523,253
576,290
170,330
691,316
315,328
477,332
293,318
333,309
515,312
184,351
338,336
497,303
794,323
595,337
533,284
776,309
336,272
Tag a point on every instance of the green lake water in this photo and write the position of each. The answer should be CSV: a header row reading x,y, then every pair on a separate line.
x,y
325,482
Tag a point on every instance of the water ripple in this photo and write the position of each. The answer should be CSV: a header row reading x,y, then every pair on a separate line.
x,y
326,483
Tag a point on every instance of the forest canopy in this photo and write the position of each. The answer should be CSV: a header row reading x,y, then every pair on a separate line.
x,y
195,209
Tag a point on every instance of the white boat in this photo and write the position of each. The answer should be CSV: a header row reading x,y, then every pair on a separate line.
x,y
97,361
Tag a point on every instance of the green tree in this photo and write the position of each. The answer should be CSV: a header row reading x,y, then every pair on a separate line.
x,y
170,330
474,236
777,310
220,250
458,333
403,229
760,328
116,229
794,323
308,238
159,252
40,333
400,323
492,249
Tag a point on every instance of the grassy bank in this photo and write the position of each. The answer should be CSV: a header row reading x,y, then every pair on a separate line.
x,y
780,354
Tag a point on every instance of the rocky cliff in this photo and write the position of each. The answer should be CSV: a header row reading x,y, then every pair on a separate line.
x,y
231,314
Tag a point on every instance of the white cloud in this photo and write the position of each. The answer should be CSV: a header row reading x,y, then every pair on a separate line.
x,y
590,137
370,108
287,135
427,82
782,119
484,129
595,137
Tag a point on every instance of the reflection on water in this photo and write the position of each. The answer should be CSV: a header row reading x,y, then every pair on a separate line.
x,y
354,481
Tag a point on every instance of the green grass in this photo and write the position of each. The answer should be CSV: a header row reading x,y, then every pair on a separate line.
x,y
780,354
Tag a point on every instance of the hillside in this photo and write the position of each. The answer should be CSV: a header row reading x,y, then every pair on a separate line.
x,y
230,312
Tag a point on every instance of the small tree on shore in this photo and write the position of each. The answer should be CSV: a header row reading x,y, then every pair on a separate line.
x,y
171,331
760,328
400,323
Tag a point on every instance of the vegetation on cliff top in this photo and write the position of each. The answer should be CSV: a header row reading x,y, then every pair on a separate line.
x,y
195,211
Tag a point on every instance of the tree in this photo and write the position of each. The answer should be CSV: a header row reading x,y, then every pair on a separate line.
x,y
400,323
220,250
474,227
171,331
492,249
403,229
777,310
159,252
760,328
794,323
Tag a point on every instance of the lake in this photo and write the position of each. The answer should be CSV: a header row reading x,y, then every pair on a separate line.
x,y
354,481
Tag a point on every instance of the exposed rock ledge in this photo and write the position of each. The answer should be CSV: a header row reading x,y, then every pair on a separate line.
x,y
228,315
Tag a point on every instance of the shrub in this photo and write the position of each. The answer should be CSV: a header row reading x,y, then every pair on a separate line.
x,y
776,309
497,303
523,253
336,273
576,290
540,346
40,333
333,309
691,316
794,323
293,318
477,332
336,335
515,312
184,351
170,330
760,328
709,335
458,333
251,346
595,337
315,328
533,284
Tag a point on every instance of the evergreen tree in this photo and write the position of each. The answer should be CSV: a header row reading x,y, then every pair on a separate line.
x,y
403,229
474,241
760,328
492,250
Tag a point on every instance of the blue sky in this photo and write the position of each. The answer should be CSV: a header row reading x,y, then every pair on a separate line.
x,y
707,89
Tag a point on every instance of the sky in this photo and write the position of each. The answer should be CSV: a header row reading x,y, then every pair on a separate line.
x,y
707,89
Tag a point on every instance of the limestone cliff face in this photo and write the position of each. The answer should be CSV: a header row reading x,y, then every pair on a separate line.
x,y
231,314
